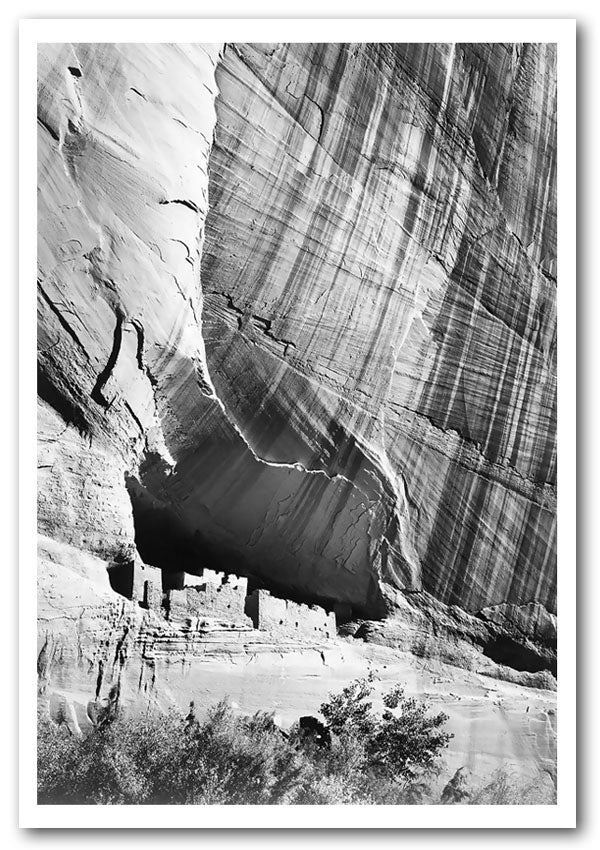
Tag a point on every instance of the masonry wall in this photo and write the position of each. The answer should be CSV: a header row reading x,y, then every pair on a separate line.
x,y
222,599
288,619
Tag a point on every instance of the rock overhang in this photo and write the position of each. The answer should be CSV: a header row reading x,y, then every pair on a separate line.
x,y
329,359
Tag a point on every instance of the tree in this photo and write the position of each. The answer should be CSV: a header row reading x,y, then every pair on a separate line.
x,y
401,744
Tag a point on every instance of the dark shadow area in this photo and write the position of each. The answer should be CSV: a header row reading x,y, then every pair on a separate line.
x,y
161,537
60,402
120,576
251,608
506,650
164,540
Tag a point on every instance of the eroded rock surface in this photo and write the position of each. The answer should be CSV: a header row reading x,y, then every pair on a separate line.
x,y
362,388
297,323
380,304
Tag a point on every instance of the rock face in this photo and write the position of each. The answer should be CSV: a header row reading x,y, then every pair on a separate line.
x,y
123,161
297,318
380,305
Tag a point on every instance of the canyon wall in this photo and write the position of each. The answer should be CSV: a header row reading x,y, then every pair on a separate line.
x,y
297,318
378,276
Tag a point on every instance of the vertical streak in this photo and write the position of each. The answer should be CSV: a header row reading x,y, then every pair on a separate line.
x,y
449,68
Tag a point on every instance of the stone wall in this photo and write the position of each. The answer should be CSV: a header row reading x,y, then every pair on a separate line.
x,y
215,596
284,618
152,592
223,597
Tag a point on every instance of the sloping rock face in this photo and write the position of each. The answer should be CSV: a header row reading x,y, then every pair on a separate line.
x,y
124,138
318,349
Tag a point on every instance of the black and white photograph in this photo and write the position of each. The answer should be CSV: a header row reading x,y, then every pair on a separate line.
x,y
297,424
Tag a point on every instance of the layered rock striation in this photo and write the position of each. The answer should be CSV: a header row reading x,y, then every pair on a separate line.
x,y
297,318
379,287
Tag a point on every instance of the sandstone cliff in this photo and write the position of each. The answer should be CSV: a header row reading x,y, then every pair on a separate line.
x,y
378,276
321,349
297,322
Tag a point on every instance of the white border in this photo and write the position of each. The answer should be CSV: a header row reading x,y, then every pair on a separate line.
x,y
561,31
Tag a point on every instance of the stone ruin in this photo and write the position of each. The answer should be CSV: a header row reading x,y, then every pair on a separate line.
x,y
288,619
222,597
215,596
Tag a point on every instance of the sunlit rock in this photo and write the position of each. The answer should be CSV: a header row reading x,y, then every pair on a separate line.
x,y
297,324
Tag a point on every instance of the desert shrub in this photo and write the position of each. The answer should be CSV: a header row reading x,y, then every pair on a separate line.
x,y
402,745
101,767
506,789
227,759
162,759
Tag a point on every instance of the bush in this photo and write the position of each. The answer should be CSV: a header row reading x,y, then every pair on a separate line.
x,y
227,759
402,745
505,789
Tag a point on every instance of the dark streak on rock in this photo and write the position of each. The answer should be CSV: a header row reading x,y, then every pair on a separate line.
x,y
134,417
260,323
48,129
119,645
59,400
322,114
265,326
139,354
233,308
105,374
185,203
63,322
100,677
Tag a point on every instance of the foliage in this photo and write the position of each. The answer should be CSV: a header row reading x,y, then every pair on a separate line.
x,y
225,758
402,744
504,789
